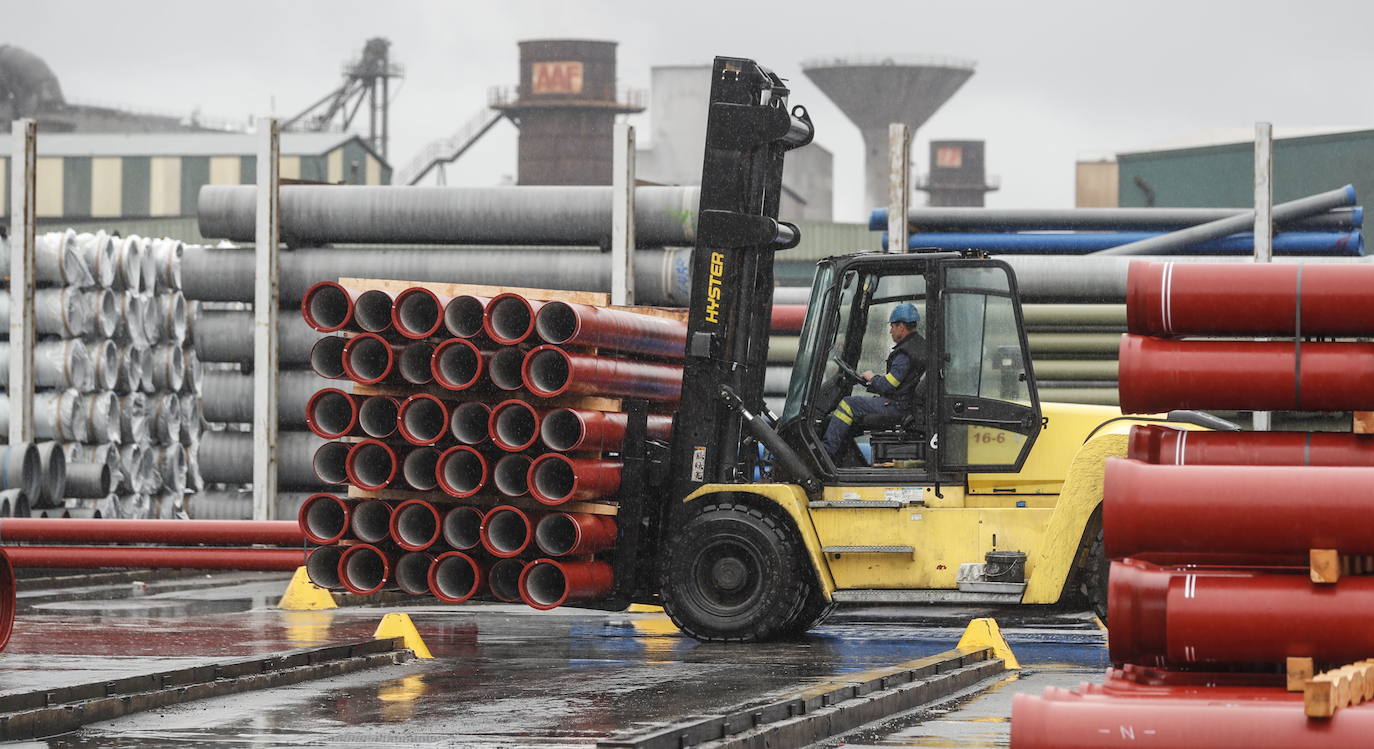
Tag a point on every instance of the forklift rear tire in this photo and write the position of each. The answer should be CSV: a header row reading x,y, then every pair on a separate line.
x,y
734,573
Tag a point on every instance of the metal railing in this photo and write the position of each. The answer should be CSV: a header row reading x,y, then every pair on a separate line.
x,y
445,150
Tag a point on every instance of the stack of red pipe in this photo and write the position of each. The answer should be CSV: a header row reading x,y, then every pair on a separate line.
x,y
1209,533
482,421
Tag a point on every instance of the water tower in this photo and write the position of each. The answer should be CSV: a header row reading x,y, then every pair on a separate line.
x,y
875,93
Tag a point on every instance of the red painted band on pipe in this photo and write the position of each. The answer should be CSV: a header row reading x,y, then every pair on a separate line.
x,y
322,519
365,569
509,318
370,520
111,531
377,415
787,318
514,425
416,362
9,599
569,324
148,557
574,533
455,577
1157,374
412,572
331,413
1150,675
505,368
463,315
577,429
457,364
1218,510
469,421
372,310
503,579
371,465
555,478
322,566
418,312
415,525
326,357
462,528
1163,616
549,583
422,419
330,462
549,371
369,359
508,531
327,307
1164,298
1168,446
461,471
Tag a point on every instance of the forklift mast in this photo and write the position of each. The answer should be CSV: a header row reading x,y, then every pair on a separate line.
x,y
749,128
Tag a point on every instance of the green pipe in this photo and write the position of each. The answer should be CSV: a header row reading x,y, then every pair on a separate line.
x,y
1089,396
1095,345
1074,315
1073,369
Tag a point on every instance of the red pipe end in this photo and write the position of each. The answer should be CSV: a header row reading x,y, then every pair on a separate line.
x,y
463,528
327,307
412,572
1137,596
324,519
508,319
364,569
422,419
513,425
8,599
507,531
464,315
455,577
548,583
322,566
461,471
372,310
415,525
330,462
325,416
503,579
417,313
547,371
372,346
374,473
454,358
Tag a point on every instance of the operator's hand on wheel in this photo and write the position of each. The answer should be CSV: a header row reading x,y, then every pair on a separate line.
x,y
868,375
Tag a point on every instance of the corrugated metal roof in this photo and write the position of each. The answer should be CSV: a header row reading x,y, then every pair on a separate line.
x,y
180,144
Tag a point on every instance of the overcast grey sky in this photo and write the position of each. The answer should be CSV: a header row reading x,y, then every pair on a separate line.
x,y
1056,80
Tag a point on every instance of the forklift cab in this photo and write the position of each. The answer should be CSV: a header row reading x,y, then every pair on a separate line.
x,y
975,408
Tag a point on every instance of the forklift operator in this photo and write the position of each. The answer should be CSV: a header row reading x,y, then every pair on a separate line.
x,y
895,389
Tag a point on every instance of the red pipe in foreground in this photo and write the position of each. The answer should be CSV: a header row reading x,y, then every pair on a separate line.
x,y
365,569
415,525
102,531
457,364
574,533
468,422
377,415
463,528
331,413
511,476
371,465
509,318
568,324
9,599
454,577
1179,616
369,359
422,419
575,429
327,306
147,557
324,518
1157,374
549,371
461,471
464,314
1165,298
549,583
372,310
508,531
514,425
418,312
555,478
370,520
1098,723
1212,511
1166,445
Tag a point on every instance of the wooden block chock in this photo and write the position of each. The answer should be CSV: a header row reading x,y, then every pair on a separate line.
x,y
1331,690
1324,565
1364,422
1300,670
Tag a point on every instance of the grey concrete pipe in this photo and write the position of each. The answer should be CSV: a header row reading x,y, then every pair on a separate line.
x,y
192,419
58,261
226,457
227,336
62,311
104,305
169,367
101,413
55,416
228,396
165,415
167,257
56,364
171,311
1104,219
226,274
98,251
52,469
451,215
22,469
170,461
129,262
230,504
105,358
88,480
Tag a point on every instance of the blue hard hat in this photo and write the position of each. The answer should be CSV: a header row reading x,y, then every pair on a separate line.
x,y
905,313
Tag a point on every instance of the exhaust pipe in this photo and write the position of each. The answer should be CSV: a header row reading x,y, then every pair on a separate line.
x,y
511,475
415,362
327,357
577,429
322,566
549,371
554,478
455,577
419,468
509,318
369,359
324,518
415,525
461,471
372,310
463,528
549,583
508,531
457,364
514,425
422,419
505,366
503,579
469,422
370,521
365,569
566,324
412,572
371,465
464,314
575,533
330,462
418,312
327,307
377,415
331,413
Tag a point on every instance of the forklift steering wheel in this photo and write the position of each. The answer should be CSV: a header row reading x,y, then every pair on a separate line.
x,y
847,371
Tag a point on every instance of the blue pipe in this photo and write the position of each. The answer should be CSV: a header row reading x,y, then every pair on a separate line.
x,y
1286,243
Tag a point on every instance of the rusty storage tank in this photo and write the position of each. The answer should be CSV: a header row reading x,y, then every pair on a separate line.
x,y
565,107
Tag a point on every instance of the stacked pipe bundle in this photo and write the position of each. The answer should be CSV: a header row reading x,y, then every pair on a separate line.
x,y
1233,552
481,438
116,382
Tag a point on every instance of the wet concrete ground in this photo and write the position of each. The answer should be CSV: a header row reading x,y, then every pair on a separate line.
x,y
502,676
